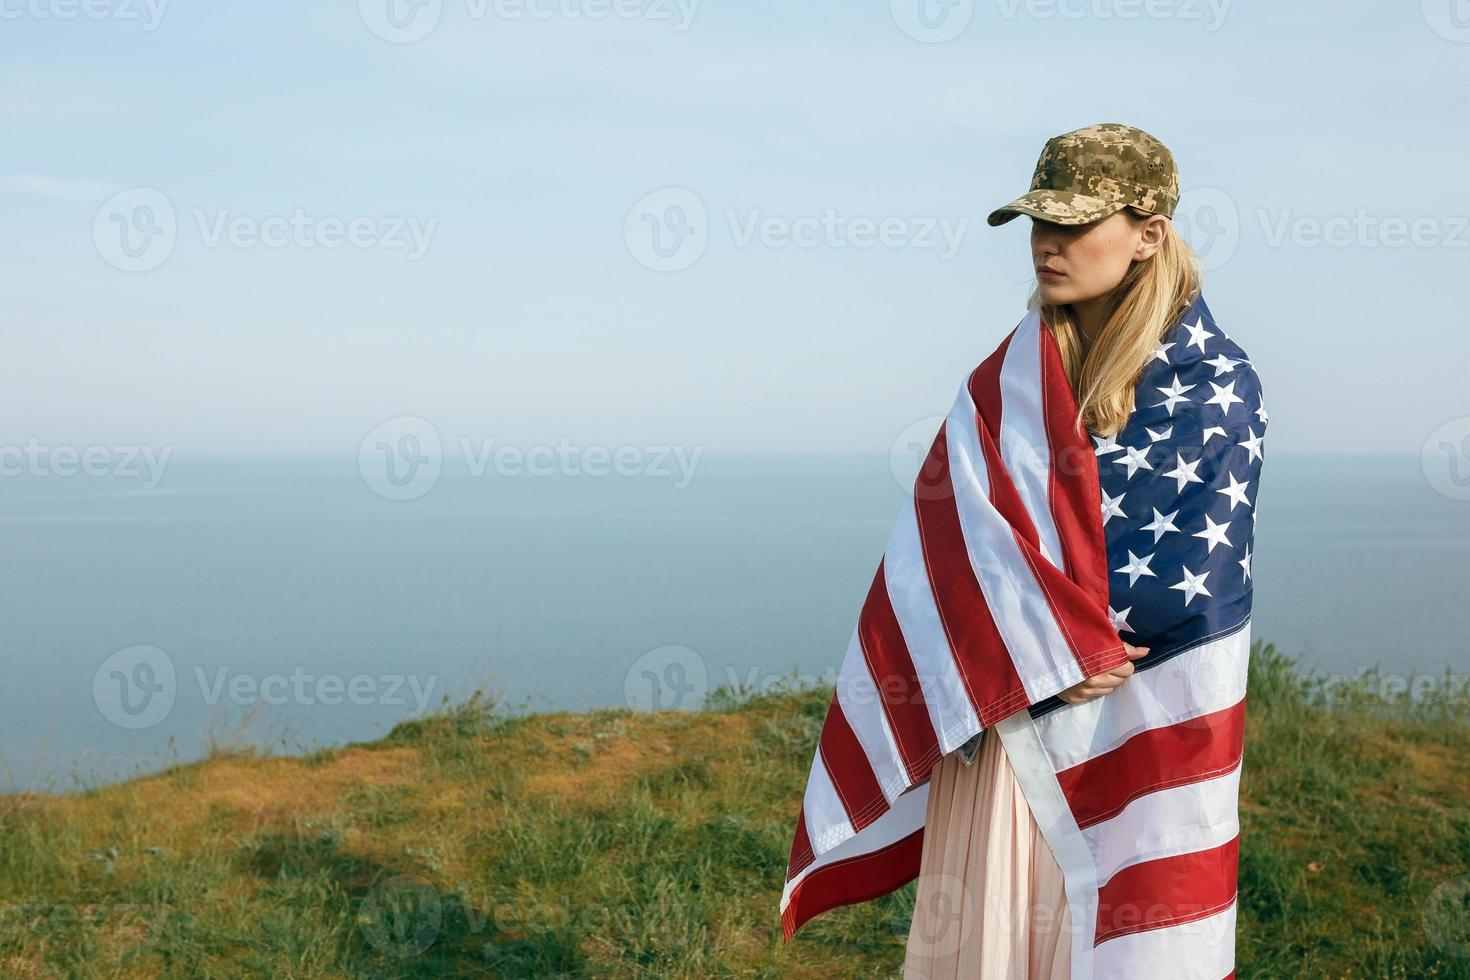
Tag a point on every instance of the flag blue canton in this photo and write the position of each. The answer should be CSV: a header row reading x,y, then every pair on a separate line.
x,y
1179,485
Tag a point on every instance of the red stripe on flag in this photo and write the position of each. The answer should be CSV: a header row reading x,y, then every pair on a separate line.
x,y
1189,751
848,766
980,654
801,847
853,880
1168,891
985,392
897,683
1076,490
1080,615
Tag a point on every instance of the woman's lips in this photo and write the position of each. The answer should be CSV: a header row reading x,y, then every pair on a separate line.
x,y
1049,274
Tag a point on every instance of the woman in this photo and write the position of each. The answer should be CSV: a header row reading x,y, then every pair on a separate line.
x,y
1078,546
1110,289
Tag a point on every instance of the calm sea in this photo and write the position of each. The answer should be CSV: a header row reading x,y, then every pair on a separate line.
x,y
284,602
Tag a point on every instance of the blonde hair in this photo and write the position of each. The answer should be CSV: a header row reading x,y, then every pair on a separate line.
x,y
1151,297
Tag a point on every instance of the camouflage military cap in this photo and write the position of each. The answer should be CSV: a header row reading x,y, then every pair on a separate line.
x,y
1089,173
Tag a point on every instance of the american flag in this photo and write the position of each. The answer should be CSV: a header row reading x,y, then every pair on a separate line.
x,y
1028,551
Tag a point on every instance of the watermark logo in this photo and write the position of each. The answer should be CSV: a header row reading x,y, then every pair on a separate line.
x,y
1450,19
401,917
668,678
401,21
1446,459
1446,916
135,230
944,911
667,230
932,21
402,458
1210,222
135,688
908,453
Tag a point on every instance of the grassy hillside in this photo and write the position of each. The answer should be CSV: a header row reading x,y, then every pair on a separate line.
x,y
621,844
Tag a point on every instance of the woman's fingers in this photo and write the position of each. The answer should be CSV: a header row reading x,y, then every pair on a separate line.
x,y
1100,684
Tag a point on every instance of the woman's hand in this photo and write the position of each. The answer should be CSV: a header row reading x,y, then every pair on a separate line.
x,y
1100,684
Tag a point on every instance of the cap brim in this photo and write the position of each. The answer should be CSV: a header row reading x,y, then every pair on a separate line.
x,y
1058,207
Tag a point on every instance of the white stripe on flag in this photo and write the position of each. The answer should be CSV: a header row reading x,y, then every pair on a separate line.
x,y
1024,446
1208,678
1200,950
951,711
826,817
859,698
903,818
1040,652
1054,818
1179,820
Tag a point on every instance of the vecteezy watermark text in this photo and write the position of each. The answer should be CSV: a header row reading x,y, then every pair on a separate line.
x,y
403,458
137,688
937,21
668,229
136,230
1211,13
566,459
1362,229
302,688
148,13
407,21
35,459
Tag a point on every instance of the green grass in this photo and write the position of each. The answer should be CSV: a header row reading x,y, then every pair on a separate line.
x,y
621,844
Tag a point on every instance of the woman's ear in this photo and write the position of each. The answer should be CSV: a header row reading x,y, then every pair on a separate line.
x,y
1151,236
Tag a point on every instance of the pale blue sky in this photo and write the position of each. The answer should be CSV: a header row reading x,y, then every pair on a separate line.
x,y
521,143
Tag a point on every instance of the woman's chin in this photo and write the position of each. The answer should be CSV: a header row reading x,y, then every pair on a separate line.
x,y
1054,293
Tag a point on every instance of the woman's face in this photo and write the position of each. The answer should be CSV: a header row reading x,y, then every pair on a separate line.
x,y
1077,263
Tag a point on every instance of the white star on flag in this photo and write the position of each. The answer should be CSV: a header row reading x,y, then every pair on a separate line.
x,y
1192,585
1162,524
1119,619
1161,351
1111,507
1210,432
1197,334
1174,393
1184,472
1133,458
1156,436
1236,492
1214,534
1106,444
1252,445
1224,397
1136,566
1245,562
1221,364
1261,413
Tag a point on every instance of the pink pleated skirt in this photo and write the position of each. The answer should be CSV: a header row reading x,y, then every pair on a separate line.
x,y
990,903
